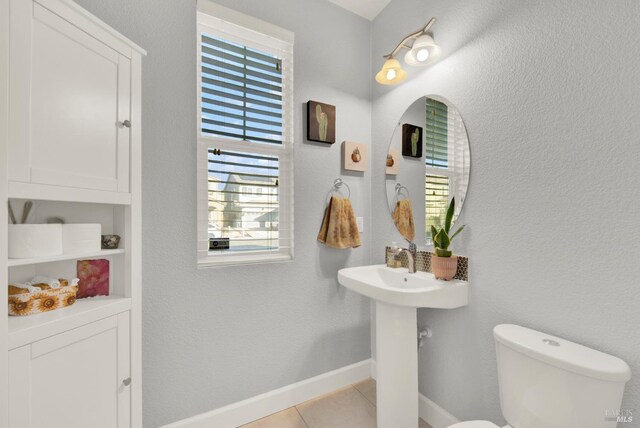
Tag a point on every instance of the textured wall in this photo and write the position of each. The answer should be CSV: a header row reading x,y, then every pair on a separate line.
x,y
215,336
550,94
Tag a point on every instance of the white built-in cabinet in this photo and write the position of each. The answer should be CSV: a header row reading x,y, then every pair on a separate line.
x,y
69,100
81,369
70,140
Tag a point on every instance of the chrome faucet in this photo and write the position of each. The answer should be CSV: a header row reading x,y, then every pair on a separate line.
x,y
411,256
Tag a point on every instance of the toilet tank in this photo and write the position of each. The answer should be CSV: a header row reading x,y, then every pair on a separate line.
x,y
550,382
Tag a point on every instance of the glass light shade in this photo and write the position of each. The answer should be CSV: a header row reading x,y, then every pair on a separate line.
x,y
391,73
423,52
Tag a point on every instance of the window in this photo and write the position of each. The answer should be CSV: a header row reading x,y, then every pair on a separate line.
x,y
437,177
437,134
245,139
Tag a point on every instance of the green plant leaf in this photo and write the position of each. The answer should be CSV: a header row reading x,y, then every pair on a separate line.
x,y
434,232
449,218
457,231
442,239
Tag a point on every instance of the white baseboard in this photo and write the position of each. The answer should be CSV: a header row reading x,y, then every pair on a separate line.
x,y
435,415
262,405
251,409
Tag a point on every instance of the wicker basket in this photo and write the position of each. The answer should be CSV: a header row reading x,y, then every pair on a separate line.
x,y
43,301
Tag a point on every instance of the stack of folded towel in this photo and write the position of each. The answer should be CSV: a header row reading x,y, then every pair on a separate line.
x,y
403,218
339,227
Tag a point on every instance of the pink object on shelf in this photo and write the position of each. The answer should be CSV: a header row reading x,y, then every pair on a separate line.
x,y
94,278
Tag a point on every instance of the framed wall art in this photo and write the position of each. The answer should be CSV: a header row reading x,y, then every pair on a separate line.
x,y
355,156
321,122
393,161
411,141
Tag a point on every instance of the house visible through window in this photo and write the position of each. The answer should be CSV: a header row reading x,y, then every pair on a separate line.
x,y
245,140
240,217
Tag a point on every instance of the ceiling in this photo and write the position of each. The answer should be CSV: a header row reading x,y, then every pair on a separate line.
x,y
366,8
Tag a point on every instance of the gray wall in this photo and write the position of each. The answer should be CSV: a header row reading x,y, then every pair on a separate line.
x,y
215,336
550,94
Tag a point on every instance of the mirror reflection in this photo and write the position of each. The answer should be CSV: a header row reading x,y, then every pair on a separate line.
x,y
428,163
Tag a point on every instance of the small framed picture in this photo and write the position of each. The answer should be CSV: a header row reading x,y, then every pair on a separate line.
x,y
393,158
93,278
355,156
321,122
411,141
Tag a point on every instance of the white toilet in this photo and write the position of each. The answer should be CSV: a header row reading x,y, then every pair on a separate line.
x,y
548,382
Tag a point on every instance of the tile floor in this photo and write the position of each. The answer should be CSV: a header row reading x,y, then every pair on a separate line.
x,y
350,407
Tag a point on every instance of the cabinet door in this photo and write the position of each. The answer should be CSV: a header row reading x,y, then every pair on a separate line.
x,y
70,95
74,379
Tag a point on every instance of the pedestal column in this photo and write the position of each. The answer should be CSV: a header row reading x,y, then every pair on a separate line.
x,y
396,366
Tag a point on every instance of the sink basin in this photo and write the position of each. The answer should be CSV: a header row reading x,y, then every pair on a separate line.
x,y
398,287
397,294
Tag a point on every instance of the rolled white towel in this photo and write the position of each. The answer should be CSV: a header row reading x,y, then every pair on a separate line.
x,y
39,279
28,286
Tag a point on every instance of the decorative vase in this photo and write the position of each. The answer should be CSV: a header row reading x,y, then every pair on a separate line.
x,y
110,242
444,267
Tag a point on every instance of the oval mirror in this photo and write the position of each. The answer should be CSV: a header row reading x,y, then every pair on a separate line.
x,y
428,163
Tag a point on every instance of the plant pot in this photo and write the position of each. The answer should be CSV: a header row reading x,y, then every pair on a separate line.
x,y
444,267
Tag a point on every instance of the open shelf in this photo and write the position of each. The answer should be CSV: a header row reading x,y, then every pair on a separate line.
x,y
37,260
47,192
30,328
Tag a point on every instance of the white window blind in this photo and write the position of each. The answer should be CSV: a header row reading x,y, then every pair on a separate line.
x,y
241,92
245,84
436,134
436,199
437,180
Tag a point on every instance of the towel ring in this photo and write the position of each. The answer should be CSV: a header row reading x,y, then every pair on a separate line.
x,y
399,189
337,184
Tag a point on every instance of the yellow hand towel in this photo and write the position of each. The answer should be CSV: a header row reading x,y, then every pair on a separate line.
x,y
403,218
339,228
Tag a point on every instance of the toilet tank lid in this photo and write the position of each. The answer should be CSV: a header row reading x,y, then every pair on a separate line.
x,y
562,353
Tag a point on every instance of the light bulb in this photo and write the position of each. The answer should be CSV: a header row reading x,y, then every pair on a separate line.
x,y
391,74
422,55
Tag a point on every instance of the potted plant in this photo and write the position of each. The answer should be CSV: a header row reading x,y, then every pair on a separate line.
x,y
443,263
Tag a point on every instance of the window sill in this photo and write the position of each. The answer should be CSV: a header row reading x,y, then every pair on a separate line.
x,y
241,259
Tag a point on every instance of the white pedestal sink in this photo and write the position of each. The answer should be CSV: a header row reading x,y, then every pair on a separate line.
x,y
398,294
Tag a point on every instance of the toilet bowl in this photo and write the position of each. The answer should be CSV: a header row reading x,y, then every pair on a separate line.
x,y
546,381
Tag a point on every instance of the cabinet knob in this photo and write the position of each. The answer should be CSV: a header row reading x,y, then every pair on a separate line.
x,y
127,381
126,124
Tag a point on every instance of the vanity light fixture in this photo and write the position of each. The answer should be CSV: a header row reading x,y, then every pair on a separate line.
x,y
391,72
423,51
